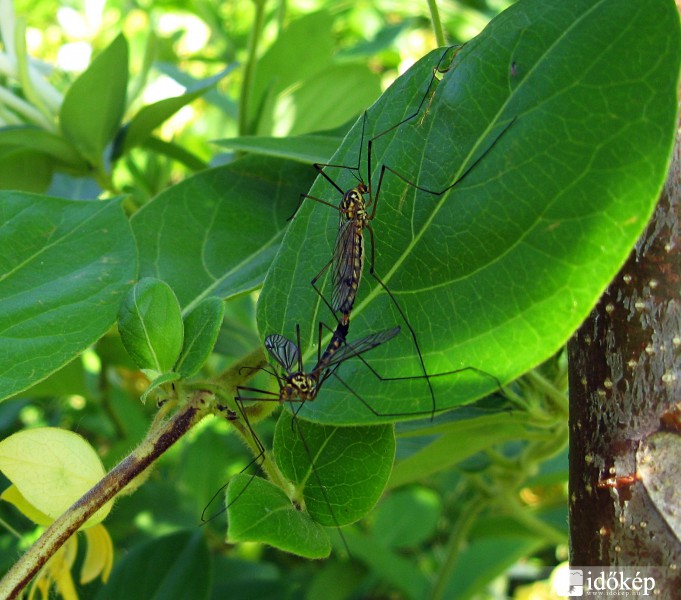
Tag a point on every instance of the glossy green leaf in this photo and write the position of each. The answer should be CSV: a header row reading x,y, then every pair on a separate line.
x,y
259,511
215,234
308,149
64,268
457,441
93,106
151,326
341,471
33,138
173,567
201,328
571,110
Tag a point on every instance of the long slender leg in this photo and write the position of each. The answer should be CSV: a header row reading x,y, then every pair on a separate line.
x,y
256,460
324,269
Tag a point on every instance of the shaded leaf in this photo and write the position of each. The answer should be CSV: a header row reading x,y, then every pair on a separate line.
x,y
288,62
181,568
457,441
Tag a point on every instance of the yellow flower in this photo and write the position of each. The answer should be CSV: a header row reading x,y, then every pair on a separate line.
x,y
57,571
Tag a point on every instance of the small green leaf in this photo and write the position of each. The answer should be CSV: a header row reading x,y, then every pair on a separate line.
x,y
181,568
52,468
158,381
64,267
201,328
151,116
93,106
150,324
15,498
341,471
259,511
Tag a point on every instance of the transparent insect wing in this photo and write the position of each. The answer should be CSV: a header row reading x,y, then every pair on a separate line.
x,y
283,350
348,260
350,349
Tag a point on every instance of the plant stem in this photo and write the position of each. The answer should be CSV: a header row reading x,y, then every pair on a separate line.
x,y
437,24
249,70
158,440
556,398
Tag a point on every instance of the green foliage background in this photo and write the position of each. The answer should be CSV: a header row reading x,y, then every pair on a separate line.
x,y
474,492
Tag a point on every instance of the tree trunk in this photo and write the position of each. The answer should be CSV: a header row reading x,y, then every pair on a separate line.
x,y
625,429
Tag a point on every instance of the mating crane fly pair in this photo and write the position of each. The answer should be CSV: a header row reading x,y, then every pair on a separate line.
x,y
356,213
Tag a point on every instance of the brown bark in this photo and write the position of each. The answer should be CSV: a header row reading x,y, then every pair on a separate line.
x,y
625,378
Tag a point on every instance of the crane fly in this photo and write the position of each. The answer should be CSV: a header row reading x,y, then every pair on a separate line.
x,y
298,385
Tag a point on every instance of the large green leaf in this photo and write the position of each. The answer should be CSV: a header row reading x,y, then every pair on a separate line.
x,y
575,106
93,106
215,234
64,269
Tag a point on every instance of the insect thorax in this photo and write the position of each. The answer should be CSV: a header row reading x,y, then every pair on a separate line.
x,y
299,386
353,205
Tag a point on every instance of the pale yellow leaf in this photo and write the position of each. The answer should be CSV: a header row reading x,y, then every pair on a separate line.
x,y
52,468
